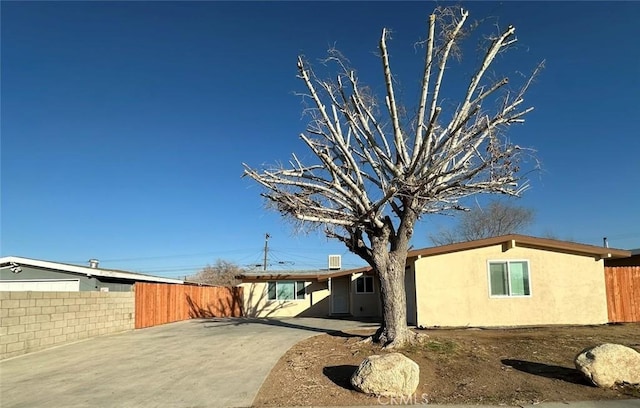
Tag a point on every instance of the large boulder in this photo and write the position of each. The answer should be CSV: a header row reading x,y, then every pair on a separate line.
x,y
388,375
608,364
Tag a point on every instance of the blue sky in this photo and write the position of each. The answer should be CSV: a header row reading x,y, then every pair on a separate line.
x,y
124,124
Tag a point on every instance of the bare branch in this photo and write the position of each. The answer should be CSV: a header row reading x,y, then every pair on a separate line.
x,y
399,143
420,131
497,218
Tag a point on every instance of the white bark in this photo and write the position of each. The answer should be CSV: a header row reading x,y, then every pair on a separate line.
x,y
376,173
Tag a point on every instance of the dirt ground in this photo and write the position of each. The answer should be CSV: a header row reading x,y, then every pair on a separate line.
x,y
463,366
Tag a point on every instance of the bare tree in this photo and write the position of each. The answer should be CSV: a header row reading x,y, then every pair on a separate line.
x,y
222,273
377,171
498,218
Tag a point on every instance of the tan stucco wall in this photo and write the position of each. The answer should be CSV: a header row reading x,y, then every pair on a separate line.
x,y
453,289
365,304
315,303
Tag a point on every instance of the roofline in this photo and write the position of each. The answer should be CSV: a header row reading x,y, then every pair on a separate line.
x,y
272,276
88,271
320,277
195,283
513,240
346,272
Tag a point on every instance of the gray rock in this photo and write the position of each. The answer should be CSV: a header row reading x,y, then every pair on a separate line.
x,y
608,364
389,375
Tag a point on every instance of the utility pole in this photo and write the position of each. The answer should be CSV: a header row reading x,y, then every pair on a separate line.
x,y
266,250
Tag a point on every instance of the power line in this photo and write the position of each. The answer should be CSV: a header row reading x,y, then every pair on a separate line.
x,y
144,258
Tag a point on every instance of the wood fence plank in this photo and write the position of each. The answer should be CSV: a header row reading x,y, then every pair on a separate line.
x,y
623,293
158,303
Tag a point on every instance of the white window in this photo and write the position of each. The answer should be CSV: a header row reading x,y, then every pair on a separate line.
x,y
364,284
285,290
509,278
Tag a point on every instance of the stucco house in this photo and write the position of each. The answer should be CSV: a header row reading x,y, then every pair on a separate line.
x,y
316,293
511,280
24,274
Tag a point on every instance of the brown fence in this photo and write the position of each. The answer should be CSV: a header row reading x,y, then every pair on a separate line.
x,y
623,293
158,303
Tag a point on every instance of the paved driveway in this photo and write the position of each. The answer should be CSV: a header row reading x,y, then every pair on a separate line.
x,y
195,363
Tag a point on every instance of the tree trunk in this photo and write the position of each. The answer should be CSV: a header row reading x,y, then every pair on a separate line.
x,y
390,268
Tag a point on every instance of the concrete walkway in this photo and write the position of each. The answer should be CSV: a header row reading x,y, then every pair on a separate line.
x,y
195,363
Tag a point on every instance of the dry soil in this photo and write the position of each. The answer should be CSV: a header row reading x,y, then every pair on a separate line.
x,y
462,366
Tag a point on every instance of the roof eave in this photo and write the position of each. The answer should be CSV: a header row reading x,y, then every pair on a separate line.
x,y
88,271
515,240
320,277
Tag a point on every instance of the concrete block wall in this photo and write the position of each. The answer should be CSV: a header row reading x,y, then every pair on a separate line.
x,y
32,321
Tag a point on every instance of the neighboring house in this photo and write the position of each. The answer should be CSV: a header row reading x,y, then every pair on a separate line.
x,y
23,274
512,280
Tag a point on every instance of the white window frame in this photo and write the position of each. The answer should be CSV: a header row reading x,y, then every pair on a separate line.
x,y
295,291
507,261
373,285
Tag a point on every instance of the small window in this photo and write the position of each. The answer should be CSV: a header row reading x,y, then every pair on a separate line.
x,y
286,290
509,278
299,290
364,284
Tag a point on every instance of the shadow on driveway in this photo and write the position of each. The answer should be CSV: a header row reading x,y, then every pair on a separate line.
x,y
333,327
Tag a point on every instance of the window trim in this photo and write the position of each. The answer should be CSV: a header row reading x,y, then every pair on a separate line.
x,y
507,261
295,291
373,285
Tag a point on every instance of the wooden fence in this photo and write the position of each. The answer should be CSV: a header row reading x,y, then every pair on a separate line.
x,y
159,303
623,293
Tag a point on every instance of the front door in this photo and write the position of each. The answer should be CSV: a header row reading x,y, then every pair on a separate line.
x,y
340,295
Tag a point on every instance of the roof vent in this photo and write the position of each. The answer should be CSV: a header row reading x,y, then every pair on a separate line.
x,y
335,262
93,263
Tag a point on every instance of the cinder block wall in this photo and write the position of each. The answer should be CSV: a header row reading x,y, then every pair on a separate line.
x,y
32,321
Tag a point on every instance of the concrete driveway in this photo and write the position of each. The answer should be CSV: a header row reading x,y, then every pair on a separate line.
x,y
195,363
